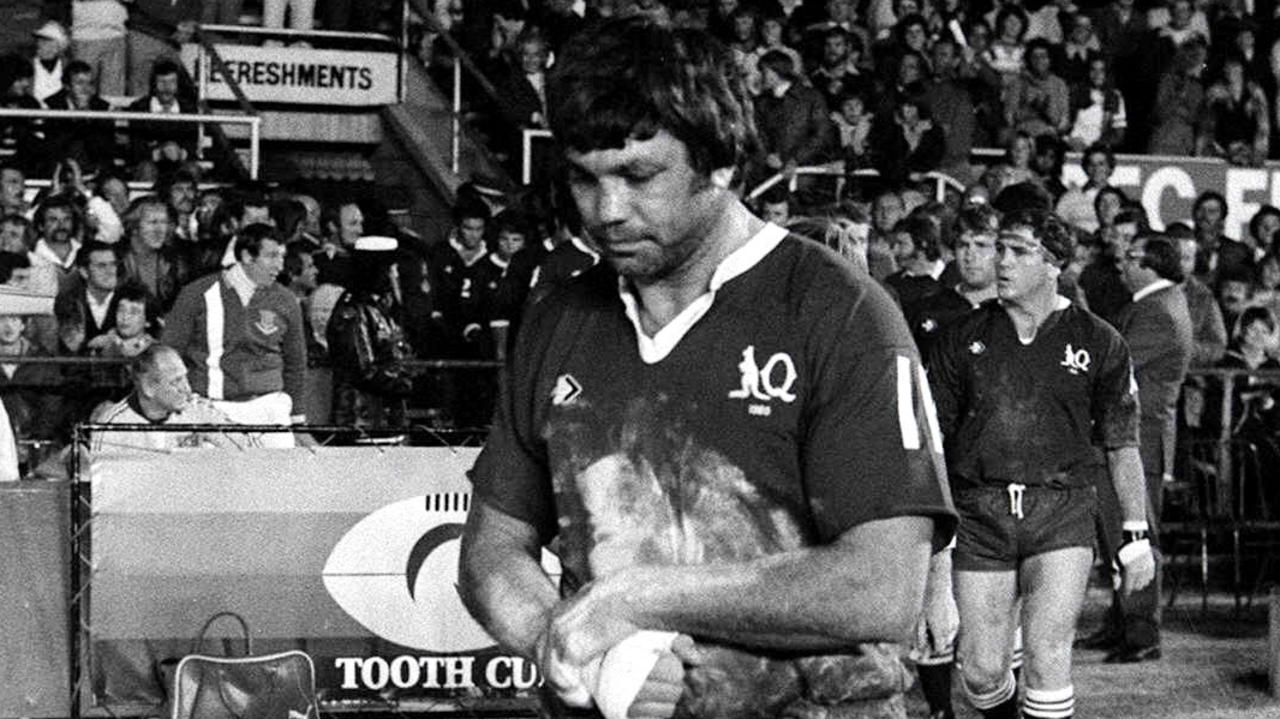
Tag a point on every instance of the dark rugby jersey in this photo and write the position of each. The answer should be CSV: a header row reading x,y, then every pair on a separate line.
x,y
791,411
1036,414
933,314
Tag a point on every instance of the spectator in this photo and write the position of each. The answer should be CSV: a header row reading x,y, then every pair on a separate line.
x,y
112,188
1255,420
28,389
99,38
1235,293
1101,281
509,287
1076,205
16,237
1178,21
853,124
1218,252
367,345
52,43
1264,231
134,328
290,218
1208,330
1268,283
1019,153
917,248
745,36
225,12
1097,112
524,97
1047,162
907,144
1180,118
1041,99
910,37
343,224
241,334
156,29
160,147
772,29
162,396
311,224
151,259
300,275
93,288
1072,58
13,185
462,278
180,191
90,143
21,139
951,104
60,224
838,71
1238,128
887,209
792,118
1107,206
302,13
1005,57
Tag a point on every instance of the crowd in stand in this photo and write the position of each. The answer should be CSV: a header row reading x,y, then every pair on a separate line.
x,y
909,86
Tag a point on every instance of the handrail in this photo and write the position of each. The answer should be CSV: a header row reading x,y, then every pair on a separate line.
x,y
942,181
289,32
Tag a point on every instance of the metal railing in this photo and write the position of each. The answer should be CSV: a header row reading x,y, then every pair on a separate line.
x,y
199,120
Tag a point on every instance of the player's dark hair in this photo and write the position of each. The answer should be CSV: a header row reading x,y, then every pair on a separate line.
x,y
1162,256
251,237
630,78
1055,235
467,208
925,235
92,246
977,219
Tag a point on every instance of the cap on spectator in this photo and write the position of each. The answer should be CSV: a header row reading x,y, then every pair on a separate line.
x,y
376,243
53,30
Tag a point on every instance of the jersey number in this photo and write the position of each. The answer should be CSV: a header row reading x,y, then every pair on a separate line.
x,y
907,421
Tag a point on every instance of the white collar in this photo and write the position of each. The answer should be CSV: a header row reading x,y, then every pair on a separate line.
x,y
158,109
238,279
1152,288
463,251
46,253
781,89
654,349
935,270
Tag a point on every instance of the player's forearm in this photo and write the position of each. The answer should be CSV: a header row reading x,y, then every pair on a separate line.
x,y
1125,467
815,599
502,583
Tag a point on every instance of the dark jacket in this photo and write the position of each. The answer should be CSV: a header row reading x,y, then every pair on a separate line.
x,y
796,126
1158,330
368,351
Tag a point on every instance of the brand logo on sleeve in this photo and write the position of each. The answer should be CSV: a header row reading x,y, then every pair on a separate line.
x,y
566,390
1076,361
765,383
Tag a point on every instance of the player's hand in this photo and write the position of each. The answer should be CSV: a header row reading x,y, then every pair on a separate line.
x,y
1137,566
591,622
661,692
939,624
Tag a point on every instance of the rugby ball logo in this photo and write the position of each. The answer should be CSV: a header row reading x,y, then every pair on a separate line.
x,y
395,573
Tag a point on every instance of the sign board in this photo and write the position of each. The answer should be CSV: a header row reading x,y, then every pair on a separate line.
x,y
349,554
299,76
1168,186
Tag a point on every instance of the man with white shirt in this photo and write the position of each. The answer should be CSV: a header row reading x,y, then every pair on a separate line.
x,y
726,426
59,223
94,287
241,335
52,43
1157,327
1075,207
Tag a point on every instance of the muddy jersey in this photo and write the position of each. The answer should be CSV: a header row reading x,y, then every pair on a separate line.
x,y
1039,413
793,409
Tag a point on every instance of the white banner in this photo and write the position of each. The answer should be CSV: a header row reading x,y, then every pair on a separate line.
x,y
300,76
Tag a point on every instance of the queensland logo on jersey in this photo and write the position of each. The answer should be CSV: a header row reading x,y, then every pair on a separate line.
x,y
767,382
566,390
268,322
1076,361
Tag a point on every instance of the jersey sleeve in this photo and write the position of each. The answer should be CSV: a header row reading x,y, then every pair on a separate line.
x,y
871,448
512,474
1114,401
946,376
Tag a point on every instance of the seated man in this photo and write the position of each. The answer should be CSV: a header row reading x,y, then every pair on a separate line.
x,y
162,396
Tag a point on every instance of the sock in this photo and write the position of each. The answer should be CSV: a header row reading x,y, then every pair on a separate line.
x,y
999,703
1049,703
935,682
